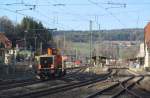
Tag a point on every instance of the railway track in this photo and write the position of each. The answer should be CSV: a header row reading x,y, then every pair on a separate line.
x,y
10,81
119,89
49,91
129,84
116,90
73,75
5,82
20,83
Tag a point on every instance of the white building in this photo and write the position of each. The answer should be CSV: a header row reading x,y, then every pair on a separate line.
x,y
142,51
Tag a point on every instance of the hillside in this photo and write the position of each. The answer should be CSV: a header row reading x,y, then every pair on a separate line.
x,y
111,35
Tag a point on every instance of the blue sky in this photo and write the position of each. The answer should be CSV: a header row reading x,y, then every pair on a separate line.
x,y
76,14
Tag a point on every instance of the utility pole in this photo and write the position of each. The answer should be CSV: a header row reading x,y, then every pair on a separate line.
x,y
25,41
118,51
99,27
41,48
35,42
25,44
98,50
64,40
90,26
76,53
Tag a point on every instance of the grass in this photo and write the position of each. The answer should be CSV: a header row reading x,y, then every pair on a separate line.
x,y
83,48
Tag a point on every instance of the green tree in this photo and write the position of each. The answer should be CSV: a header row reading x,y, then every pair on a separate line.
x,y
7,26
32,30
28,29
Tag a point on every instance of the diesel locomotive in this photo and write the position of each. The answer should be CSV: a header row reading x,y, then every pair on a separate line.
x,y
50,65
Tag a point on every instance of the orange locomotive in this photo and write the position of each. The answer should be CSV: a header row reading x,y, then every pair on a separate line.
x,y
50,65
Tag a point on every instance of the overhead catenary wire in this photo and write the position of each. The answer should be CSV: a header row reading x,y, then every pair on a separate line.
x,y
73,14
22,3
47,17
77,16
110,13
41,14
35,5
59,24
16,12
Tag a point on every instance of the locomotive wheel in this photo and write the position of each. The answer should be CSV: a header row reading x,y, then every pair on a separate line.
x,y
41,77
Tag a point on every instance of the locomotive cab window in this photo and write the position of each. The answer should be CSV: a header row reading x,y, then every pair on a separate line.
x,y
46,62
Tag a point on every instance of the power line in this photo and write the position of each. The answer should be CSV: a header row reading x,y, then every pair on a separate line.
x,y
41,14
59,4
141,3
110,13
22,14
76,15
114,3
58,24
13,11
74,4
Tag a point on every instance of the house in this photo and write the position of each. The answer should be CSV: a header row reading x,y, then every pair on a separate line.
x,y
5,41
147,46
5,47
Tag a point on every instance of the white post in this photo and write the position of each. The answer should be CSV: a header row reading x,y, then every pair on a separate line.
x,y
90,42
146,59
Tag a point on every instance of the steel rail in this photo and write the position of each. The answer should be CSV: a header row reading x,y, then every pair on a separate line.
x,y
98,93
50,91
21,83
126,88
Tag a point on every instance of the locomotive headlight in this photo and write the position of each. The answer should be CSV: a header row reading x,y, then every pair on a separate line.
x,y
52,66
